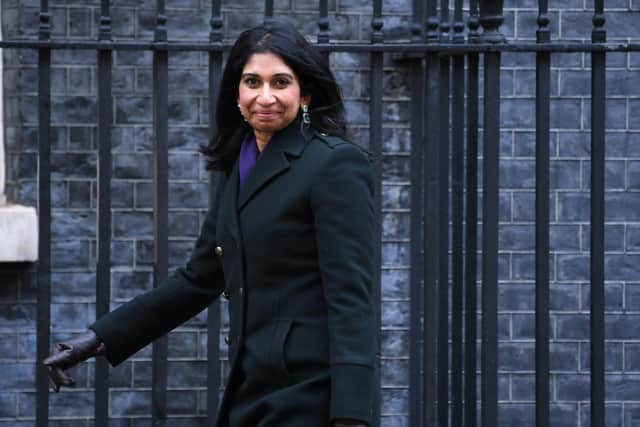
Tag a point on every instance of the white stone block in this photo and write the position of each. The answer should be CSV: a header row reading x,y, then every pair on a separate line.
x,y
18,233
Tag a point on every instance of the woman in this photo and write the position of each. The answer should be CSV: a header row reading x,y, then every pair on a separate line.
x,y
289,242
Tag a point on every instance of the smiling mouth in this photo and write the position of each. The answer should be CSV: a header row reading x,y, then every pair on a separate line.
x,y
266,114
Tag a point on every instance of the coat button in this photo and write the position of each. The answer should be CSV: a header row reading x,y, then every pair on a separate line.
x,y
225,295
227,341
218,250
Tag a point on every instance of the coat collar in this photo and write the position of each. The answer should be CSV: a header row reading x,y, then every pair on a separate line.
x,y
274,159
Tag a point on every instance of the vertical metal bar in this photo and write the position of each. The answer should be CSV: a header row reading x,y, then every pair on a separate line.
x,y
323,26
431,211
213,312
471,241
598,65
375,130
417,221
43,319
323,22
543,78
268,11
160,206
443,221
457,207
490,19
103,268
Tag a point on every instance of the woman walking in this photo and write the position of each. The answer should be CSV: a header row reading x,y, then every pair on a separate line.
x,y
289,242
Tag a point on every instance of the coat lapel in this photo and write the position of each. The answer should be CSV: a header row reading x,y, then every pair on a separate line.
x,y
273,160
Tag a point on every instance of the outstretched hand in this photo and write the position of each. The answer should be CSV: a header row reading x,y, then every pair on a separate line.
x,y
69,353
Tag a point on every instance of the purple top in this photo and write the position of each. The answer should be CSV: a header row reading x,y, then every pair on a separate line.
x,y
249,154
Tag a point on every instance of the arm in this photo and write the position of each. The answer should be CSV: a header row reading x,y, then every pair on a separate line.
x,y
342,202
184,294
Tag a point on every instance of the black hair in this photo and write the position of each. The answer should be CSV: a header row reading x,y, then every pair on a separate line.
x,y
316,80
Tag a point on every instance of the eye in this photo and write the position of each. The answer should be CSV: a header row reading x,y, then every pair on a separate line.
x,y
281,82
251,81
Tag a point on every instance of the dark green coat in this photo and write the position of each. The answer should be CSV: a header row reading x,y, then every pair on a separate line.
x,y
293,250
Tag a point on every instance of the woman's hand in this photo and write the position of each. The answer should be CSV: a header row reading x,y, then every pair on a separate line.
x,y
69,353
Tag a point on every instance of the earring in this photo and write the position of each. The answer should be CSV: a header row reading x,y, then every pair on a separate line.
x,y
306,118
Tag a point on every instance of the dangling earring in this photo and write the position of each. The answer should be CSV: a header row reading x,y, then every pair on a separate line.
x,y
306,118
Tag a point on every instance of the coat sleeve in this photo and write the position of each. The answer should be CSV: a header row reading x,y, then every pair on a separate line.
x,y
186,292
342,203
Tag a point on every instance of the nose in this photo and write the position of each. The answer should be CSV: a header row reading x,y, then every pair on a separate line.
x,y
265,96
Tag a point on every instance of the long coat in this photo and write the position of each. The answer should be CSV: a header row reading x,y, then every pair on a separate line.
x,y
293,252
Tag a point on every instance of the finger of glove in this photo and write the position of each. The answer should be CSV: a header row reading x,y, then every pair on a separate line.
x,y
59,377
61,358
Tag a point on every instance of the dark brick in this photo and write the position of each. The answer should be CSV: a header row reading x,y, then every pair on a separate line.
x,y
184,166
121,194
70,253
132,224
572,387
516,297
70,316
183,344
516,356
394,343
564,297
67,286
8,405
563,414
81,138
622,267
128,403
573,206
133,110
79,22
183,224
615,114
128,284
394,372
17,375
17,315
516,414
394,401
572,326
395,313
622,327
70,224
395,283
523,387
613,235
73,166
396,140
564,356
395,254
396,197
133,166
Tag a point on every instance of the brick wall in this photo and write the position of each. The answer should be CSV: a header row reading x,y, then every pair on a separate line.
x,y
74,201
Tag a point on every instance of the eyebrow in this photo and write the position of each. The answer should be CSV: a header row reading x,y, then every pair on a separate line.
x,y
275,75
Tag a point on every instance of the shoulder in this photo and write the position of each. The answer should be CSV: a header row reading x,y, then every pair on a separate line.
x,y
324,146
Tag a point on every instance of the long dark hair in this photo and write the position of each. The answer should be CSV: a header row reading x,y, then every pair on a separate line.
x,y
315,77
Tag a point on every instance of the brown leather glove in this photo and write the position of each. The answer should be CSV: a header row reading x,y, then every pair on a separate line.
x,y
69,353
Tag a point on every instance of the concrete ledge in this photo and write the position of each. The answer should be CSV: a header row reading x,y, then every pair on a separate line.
x,y
18,234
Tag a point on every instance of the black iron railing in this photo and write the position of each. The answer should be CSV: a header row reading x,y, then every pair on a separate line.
x,y
439,55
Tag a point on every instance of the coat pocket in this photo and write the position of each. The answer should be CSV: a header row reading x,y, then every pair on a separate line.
x,y
278,341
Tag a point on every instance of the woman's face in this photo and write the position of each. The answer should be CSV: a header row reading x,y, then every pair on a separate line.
x,y
269,93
